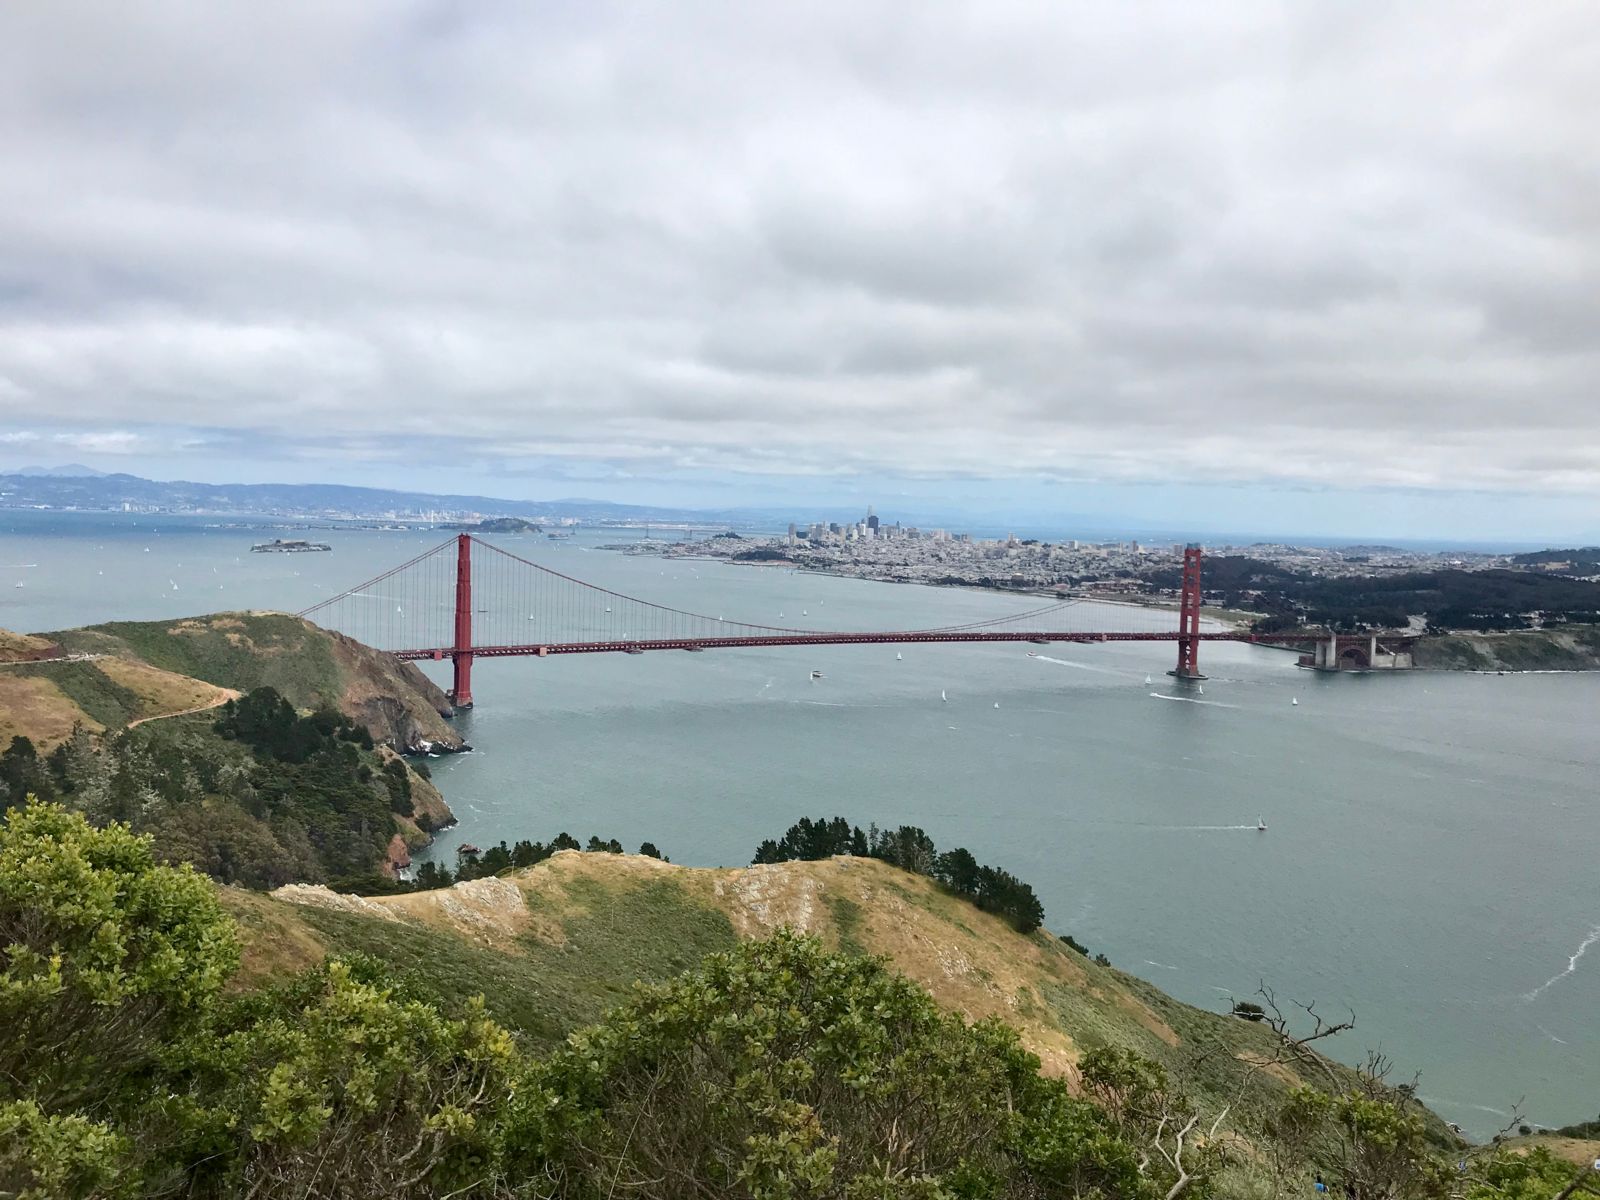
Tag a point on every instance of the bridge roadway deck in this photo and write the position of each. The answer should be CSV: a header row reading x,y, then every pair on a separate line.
x,y
638,646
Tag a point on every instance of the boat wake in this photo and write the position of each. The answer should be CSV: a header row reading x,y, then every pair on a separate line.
x,y
1191,700
1163,966
1076,666
1572,965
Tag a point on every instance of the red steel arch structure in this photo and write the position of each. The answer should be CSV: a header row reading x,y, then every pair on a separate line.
x,y
467,599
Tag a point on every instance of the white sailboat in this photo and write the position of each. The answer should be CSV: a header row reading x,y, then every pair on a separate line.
x,y
942,696
897,656
997,704
1261,825
1294,699
1147,681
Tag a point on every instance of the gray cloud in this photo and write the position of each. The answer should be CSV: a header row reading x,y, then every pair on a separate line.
x,y
1337,244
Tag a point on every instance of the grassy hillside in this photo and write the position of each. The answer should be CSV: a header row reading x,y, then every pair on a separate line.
x,y
554,946
1568,648
20,647
310,666
324,797
44,700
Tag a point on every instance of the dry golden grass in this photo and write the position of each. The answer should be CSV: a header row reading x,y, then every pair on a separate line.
x,y
970,961
162,693
276,941
33,706
1583,1151
15,647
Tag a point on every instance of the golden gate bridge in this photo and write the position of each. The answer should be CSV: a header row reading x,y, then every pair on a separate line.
x,y
467,598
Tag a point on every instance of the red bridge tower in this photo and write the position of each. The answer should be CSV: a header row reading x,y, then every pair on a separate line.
x,y
1189,616
461,650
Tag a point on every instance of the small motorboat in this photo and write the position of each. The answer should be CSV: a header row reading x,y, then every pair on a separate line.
x,y
816,674
1033,654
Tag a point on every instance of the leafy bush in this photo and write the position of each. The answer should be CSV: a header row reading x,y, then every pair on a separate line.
x,y
779,1069
105,954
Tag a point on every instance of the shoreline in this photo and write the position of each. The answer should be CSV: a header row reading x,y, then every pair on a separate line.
x,y
1228,619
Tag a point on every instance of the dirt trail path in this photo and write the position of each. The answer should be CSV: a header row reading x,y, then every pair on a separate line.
x,y
223,696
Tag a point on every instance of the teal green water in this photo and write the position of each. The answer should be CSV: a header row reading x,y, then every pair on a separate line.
x,y
1432,843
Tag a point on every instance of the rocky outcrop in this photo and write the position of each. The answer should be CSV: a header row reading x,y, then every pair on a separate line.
x,y
429,811
399,705
1562,648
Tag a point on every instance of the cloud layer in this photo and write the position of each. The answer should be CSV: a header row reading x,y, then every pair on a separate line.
x,y
1336,244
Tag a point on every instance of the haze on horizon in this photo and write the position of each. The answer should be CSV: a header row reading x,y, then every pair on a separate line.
x,y
1318,268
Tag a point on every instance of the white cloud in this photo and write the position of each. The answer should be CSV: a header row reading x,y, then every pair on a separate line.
x,y
1343,245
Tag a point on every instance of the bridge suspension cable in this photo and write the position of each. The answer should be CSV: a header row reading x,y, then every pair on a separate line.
x,y
467,597
516,601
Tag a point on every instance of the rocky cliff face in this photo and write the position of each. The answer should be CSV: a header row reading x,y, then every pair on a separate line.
x,y
397,703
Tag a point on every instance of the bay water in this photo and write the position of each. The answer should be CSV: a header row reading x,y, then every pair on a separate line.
x,y
1432,842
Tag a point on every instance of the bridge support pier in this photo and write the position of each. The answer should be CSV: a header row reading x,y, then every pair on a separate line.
x,y
1188,667
461,689
461,652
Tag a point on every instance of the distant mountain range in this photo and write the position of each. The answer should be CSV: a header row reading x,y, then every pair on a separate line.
x,y
69,471
83,488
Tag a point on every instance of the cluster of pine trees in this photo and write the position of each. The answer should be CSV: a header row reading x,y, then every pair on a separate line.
x,y
260,796
501,857
911,849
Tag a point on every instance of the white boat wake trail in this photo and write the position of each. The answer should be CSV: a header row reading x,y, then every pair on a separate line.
x,y
1191,700
1572,964
1077,666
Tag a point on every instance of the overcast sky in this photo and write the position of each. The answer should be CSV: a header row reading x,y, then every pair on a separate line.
x,y
1336,263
